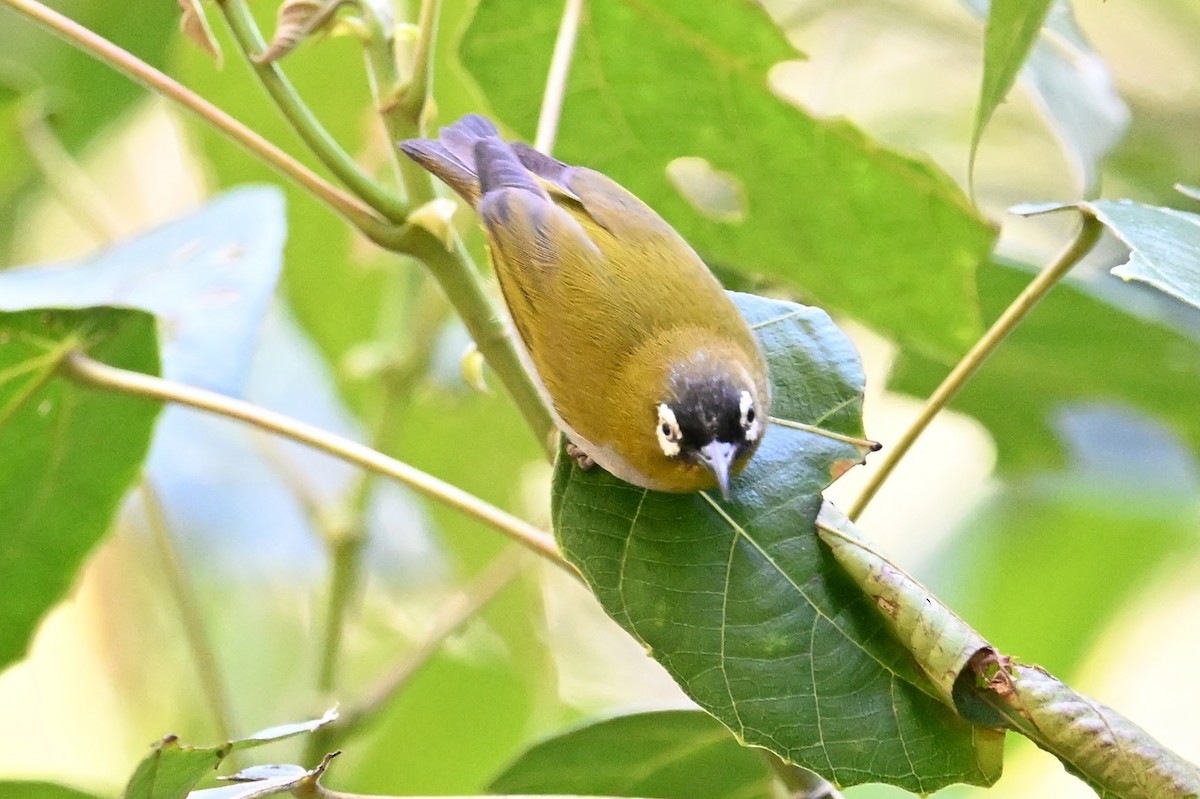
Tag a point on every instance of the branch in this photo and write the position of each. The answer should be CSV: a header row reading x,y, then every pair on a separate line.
x,y
83,369
464,288
1088,234
123,61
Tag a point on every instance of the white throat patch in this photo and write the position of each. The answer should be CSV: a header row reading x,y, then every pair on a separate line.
x,y
668,431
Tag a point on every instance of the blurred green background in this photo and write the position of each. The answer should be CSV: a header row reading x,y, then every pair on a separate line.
x,y
1055,508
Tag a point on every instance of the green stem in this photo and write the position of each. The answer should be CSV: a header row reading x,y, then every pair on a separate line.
x,y
288,101
465,290
203,653
83,369
345,550
414,93
401,102
1087,236
345,533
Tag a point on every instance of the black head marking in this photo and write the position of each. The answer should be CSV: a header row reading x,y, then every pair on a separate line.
x,y
707,410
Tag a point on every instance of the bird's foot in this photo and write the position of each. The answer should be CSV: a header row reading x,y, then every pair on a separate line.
x,y
581,458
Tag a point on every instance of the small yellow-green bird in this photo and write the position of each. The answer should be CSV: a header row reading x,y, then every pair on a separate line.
x,y
647,365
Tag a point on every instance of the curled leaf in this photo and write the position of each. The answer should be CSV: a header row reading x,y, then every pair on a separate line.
x,y
1096,743
941,642
172,769
297,20
194,25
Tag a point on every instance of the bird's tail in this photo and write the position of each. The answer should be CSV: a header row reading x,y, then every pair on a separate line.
x,y
471,158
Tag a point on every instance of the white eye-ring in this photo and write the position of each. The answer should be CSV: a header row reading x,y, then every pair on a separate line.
x,y
668,431
750,422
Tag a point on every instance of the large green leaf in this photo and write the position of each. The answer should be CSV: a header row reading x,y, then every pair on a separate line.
x,y
671,754
67,453
744,606
824,207
1074,346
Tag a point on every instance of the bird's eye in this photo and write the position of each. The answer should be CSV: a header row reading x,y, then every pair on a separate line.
x,y
750,427
668,431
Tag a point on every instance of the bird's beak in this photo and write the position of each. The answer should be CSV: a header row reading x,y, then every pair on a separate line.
x,y
718,457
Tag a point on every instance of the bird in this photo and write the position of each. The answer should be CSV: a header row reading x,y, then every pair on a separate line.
x,y
646,364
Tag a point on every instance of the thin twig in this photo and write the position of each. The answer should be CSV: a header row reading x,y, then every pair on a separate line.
x,y
122,60
80,367
204,657
1020,307
556,79
862,443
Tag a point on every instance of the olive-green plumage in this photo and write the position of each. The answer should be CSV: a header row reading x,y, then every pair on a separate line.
x,y
646,363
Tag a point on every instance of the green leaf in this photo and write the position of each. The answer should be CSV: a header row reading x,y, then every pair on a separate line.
x,y
670,754
1074,89
819,204
748,611
67,454
1164,243
1083,342
172,769
1077,94
40,790
1012,29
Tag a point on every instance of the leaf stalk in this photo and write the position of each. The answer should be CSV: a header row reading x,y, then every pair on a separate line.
x,y
1080,245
